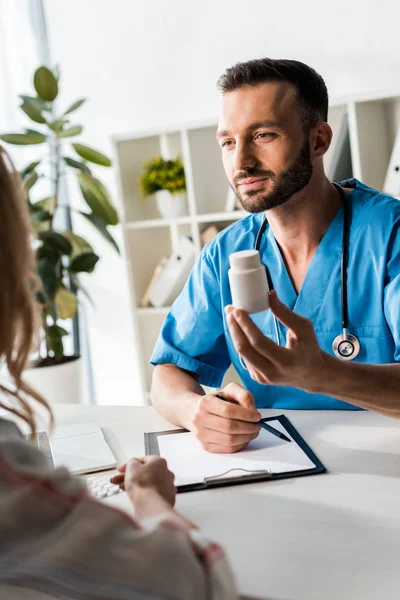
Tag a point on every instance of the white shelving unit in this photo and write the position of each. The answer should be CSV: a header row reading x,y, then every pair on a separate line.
x,y
364,135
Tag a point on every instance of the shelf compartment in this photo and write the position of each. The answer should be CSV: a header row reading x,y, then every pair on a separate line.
x,y
373,127
209,179
220,226
131,157
145,249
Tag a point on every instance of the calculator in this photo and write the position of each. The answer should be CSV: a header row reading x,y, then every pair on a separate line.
x,y
100,487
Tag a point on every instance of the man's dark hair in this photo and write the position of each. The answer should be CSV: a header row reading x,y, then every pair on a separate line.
x,y
311,90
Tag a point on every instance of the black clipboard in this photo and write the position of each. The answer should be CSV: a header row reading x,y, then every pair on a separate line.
x,y
151,447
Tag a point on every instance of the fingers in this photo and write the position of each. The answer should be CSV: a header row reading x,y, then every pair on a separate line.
x,y
218,449
253,352
223,426
150,475
118,480
211,405
229,442
136,464
286,316
237,392
122,468
249,340
230,426
144,469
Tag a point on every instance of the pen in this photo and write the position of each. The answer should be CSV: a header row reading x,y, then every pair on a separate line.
x,y
261,423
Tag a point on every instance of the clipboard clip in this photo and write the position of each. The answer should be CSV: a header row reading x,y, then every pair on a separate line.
x,y
216,480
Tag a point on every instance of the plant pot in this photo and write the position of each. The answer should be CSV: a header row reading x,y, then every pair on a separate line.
x,y
170,205
60,383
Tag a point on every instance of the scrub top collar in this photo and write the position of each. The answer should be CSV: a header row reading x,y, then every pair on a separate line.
x,y
324,263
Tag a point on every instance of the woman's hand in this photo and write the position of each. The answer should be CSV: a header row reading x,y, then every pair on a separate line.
x,y
146,477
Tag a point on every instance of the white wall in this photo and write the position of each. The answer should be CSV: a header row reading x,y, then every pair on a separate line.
x,y
153,64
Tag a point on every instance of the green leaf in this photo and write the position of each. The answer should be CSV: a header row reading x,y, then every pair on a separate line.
x,y
61,331
97,198
29,180
29,168
33,113
77,164
84,262
79,245
48,204
41,297
40,226
75,106
70,132
34,132
54,339
23,139
38,216
58,124
37,103
92,155
48,276
45,83
101,227
56,241
50,254
66,303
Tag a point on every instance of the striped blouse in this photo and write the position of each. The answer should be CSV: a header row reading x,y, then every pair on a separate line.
x,y
58,542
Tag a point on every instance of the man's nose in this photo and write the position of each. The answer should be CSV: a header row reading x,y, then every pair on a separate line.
x,y
244,158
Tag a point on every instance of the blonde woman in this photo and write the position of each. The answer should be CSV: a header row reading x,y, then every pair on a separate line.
x,y
55,540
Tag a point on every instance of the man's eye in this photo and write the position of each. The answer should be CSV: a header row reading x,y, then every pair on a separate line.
x,y
226,144
265,135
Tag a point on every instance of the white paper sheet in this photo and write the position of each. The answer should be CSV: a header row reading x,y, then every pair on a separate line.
x,y
191,464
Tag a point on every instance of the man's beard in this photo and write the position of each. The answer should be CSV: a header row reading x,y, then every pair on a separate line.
x,y
288,183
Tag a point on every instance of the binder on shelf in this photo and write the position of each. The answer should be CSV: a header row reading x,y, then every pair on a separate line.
x,y
392,181
209,234
174,274
145,301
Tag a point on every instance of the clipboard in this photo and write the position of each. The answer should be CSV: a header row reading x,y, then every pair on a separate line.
x,y
225,479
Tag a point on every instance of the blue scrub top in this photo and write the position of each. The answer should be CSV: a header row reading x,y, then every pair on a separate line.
x,y
195,335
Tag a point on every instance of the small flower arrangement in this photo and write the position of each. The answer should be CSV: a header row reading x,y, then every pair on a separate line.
x,y
160,174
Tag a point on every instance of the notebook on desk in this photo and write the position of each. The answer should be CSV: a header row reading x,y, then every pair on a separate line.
x,y
265,458
82,448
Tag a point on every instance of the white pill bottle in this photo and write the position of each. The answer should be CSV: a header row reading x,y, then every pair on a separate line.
x,y
248,281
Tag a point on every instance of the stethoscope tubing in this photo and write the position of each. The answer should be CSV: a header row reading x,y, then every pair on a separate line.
x,y
351,340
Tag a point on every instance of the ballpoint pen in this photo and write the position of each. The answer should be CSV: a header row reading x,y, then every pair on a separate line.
x,y
261,423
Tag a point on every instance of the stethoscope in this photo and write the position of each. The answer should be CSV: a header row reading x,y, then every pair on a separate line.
x,y
345,345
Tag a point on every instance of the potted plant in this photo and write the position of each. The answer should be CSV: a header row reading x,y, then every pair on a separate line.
x,y
166,179
61,254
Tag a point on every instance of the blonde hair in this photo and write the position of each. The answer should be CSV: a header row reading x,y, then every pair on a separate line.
x,y
19,322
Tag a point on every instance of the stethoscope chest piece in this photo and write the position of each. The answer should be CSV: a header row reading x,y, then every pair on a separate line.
x,y
346,346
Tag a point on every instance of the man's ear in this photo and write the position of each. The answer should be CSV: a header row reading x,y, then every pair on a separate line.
x,y
320,140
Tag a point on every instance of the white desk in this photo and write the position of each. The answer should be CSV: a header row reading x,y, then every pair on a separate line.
x,y
326,537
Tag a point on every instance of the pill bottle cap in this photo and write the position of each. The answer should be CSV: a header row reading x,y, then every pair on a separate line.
x,y
245,259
